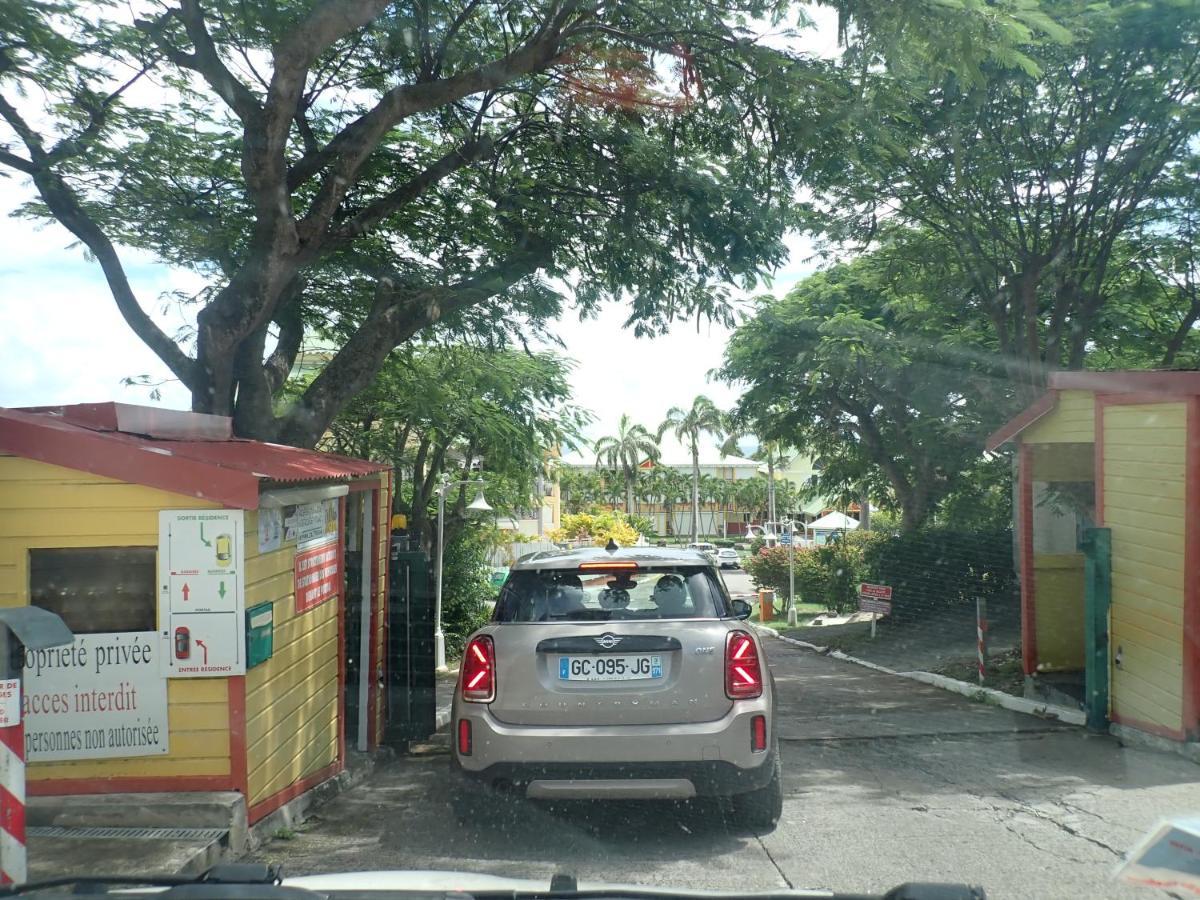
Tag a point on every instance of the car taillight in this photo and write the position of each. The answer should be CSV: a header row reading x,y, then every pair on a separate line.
x,y
479,671
743,671
758,734
464,737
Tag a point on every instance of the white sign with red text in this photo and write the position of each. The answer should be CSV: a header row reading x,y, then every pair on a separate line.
x,y
101,697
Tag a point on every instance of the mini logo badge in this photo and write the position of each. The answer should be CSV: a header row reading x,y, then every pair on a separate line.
x,y
608,641
701,651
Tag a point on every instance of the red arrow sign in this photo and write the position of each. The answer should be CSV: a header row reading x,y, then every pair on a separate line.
x,y
186,590
200,644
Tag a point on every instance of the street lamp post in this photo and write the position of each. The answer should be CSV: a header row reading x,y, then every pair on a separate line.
x,y
479,504
791,609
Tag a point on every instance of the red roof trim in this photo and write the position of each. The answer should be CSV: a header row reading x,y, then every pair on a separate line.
x,y
226,472
1124,382
52,441
1010,429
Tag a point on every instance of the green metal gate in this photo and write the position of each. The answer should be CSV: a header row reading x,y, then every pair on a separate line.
x,y
412,701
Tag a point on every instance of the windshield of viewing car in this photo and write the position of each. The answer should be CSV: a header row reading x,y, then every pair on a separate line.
x,y
661,592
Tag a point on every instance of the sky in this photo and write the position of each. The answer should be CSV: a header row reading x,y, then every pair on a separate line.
x,y
63,341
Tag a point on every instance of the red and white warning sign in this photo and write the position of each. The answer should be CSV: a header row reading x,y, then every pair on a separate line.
x,y
10,702
316,575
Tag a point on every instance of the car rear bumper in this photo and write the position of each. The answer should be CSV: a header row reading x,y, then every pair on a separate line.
x,y
715,757
620,781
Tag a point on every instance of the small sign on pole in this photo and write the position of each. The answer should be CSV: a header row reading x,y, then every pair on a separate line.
x,y
876,599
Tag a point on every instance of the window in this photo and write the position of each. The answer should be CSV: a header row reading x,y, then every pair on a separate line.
x,y
565,595
96,589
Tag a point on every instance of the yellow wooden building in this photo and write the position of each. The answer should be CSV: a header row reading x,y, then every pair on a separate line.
x,y
1119,451
247,687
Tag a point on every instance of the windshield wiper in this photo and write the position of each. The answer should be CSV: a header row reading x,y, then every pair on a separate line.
x,y
233,880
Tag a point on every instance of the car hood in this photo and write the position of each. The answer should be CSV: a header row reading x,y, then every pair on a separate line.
x,y
470,882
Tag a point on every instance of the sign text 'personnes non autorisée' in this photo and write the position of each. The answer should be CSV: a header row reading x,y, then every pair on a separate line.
x,y
102,696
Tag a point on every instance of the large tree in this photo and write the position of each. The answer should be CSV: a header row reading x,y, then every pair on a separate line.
x,y
689,425
1031,177
625,451
368,169
462,411
867,367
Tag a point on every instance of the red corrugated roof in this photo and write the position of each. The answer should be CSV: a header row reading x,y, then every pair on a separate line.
x,y
224,471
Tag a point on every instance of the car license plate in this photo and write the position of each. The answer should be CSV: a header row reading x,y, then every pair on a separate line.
x,y
609,668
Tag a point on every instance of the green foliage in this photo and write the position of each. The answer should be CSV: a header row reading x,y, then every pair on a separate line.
x,y
867,367
431,405
624,452
466,587
939,567
757,545
642,525
599,528
828,574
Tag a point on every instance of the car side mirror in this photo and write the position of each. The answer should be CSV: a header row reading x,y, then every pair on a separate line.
x,y
742,609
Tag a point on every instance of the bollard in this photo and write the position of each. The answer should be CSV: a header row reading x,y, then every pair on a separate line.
x,y
766,605
12,803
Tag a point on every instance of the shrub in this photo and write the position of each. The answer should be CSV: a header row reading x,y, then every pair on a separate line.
x,y
642,525
756,545
597,528
936,568
466,587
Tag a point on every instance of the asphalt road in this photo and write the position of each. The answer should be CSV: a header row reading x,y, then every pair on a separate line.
x,y
887,780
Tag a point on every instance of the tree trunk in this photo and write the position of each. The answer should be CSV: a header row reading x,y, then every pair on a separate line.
x,y
629,510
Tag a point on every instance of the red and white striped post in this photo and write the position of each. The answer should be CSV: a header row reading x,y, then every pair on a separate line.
x,y
12,783
981,629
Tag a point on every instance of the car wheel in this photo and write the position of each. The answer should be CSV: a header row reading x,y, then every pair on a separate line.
x,y
761,809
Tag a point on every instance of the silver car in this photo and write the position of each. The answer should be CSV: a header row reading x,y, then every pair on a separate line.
x,y
616,673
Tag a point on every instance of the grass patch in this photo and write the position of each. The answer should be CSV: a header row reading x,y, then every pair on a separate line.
x,y
1004,672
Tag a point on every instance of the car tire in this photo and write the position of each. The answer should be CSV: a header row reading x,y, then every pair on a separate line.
x,y
760,809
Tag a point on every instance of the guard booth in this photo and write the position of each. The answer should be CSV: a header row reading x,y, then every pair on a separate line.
x,y
1108,525
228,600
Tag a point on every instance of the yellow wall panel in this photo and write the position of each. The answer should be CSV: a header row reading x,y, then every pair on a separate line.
x,y
1071,421
1059,580
50,506
1144,490
288,698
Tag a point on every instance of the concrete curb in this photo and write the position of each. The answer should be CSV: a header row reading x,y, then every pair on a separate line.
x,y
441,721
966,689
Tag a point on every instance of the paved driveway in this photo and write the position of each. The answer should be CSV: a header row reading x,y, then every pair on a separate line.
x,y
886,780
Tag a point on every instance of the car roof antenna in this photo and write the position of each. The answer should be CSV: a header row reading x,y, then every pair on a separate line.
x,y
612,546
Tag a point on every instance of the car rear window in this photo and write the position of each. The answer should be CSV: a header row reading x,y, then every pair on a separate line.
x,y
568,595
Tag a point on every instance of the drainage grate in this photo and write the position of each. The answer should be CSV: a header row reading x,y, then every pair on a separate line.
x,y
135,834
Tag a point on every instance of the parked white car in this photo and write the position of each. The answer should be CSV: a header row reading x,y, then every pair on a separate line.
x,y
728,558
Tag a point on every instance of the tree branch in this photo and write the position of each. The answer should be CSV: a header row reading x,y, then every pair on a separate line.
x,y
65,206
351,146
384,206
399,312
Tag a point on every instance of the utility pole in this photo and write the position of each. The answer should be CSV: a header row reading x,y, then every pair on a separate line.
x,y
791,609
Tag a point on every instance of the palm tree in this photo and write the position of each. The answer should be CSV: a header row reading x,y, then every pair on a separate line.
x,y
625,451
687,426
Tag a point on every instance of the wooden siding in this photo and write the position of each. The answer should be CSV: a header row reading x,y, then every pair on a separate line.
x,y
1072,421
47,506
292,698
1059,583
1144,481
